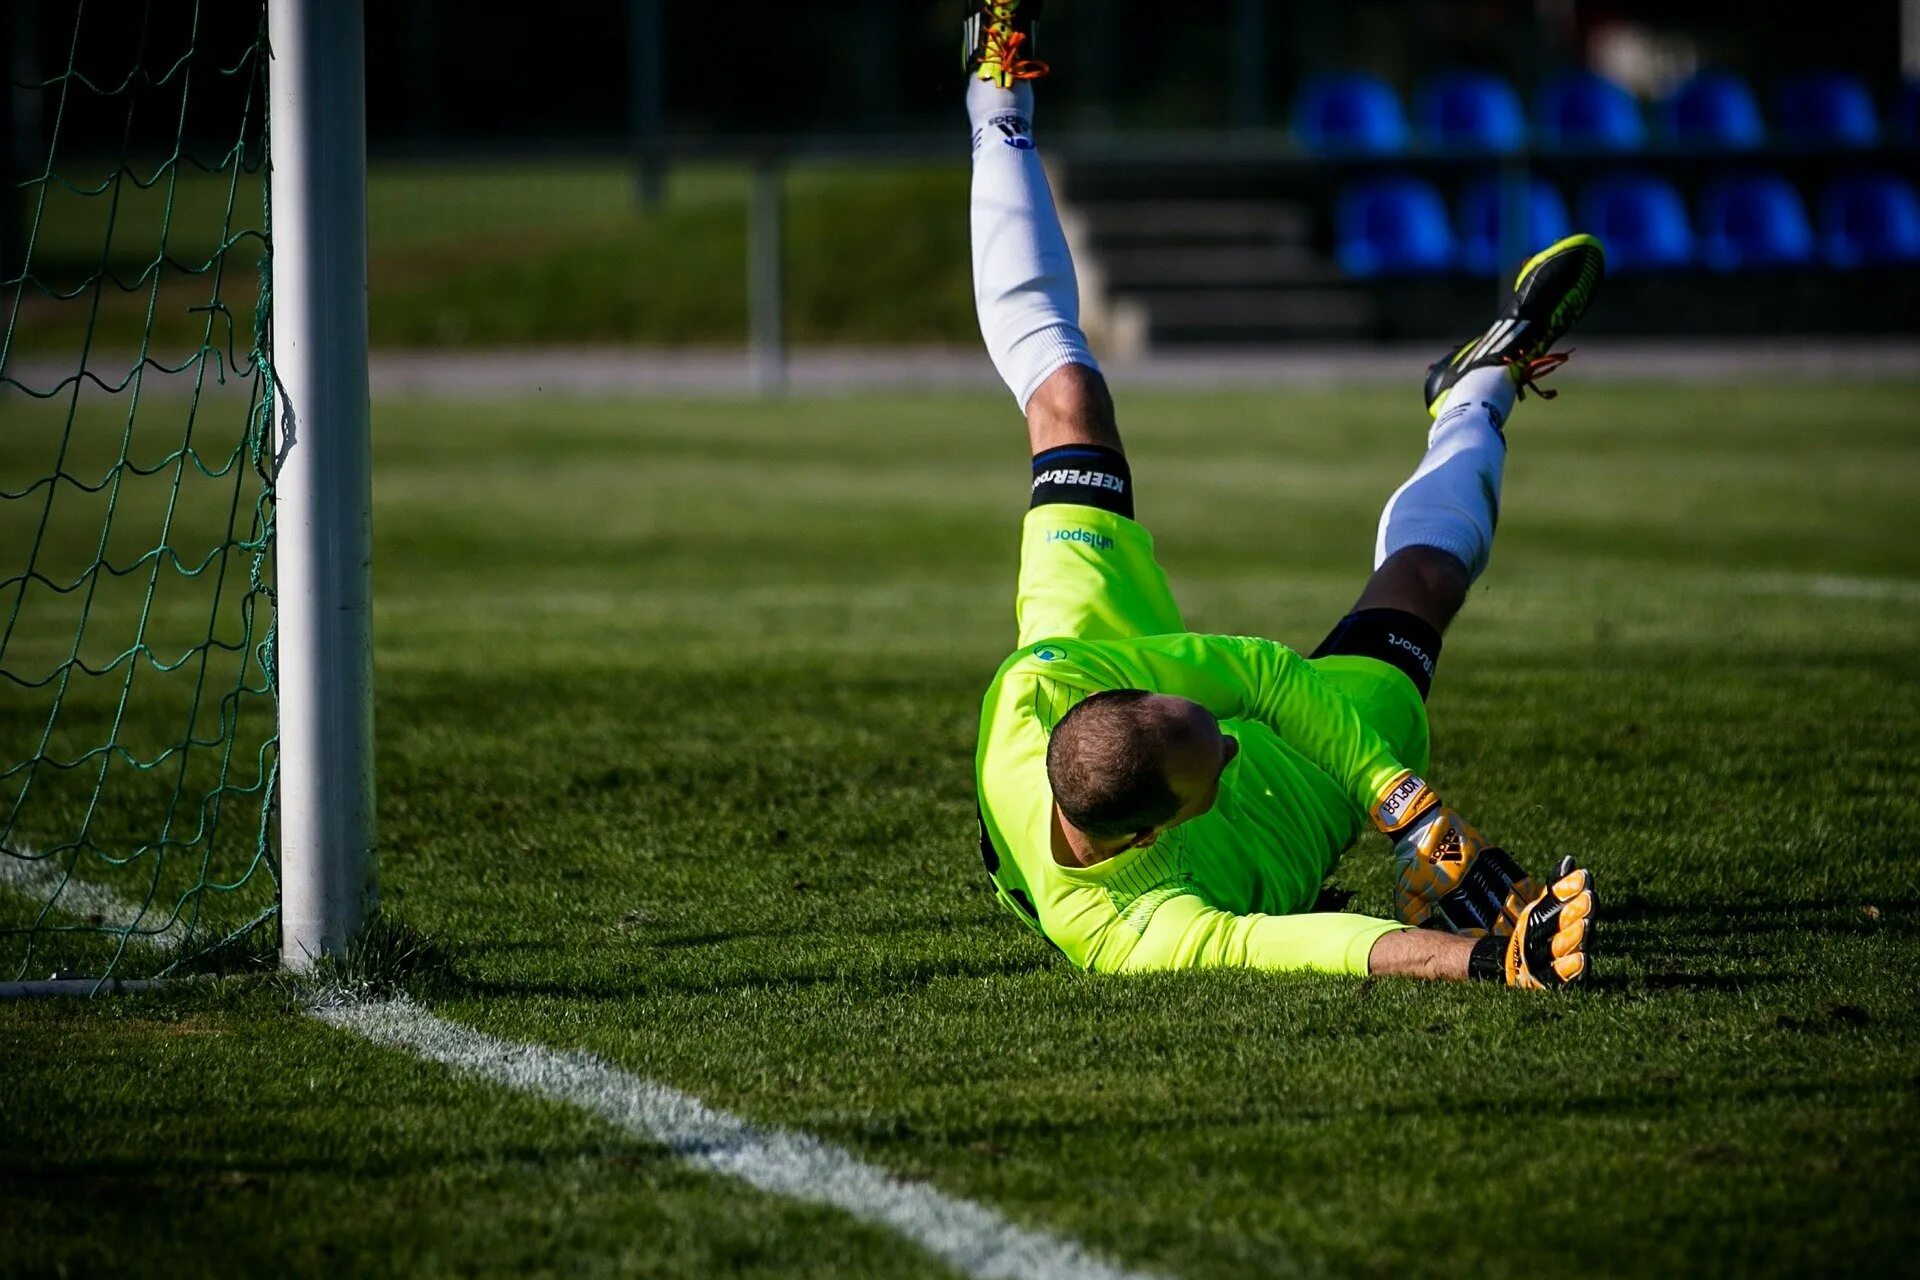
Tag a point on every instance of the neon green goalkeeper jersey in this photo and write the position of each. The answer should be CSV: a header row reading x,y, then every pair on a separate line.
x,y
1227,888
1320,741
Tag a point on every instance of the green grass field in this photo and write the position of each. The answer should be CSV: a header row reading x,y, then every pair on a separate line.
x,y
476,255
676,710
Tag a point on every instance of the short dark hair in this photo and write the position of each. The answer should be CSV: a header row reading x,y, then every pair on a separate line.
x,y
1106,762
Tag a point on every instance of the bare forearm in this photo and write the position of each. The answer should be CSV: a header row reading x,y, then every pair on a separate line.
x,y
1420,953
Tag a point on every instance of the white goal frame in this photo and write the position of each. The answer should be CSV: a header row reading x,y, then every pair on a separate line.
x,y
323,524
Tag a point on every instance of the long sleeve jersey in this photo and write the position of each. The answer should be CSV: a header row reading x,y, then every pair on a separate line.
x,y
1232,888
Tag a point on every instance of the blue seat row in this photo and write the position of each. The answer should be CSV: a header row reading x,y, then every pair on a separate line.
x,y
1475,111
1398,225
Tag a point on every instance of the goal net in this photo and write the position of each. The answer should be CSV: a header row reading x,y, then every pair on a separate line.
x,y
138,731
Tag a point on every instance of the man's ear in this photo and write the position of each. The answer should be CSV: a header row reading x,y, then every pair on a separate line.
x,y
1144,840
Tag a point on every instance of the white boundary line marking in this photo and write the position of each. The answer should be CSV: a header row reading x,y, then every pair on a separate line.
x,y
24,872
972,1238
1835,586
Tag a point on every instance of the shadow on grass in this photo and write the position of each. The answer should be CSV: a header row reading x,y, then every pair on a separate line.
x,y
1633,984
1633,933
1660,1097
31,1178
1636,929
1747,916
898,977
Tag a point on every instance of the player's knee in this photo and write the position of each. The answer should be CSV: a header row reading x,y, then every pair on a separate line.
x,y
1073,406
1424,581
1440,575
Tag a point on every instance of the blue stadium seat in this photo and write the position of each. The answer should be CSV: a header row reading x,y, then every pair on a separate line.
x,y
1715,109
1349,113
1826,109
1588,111
1641,218
1392,226
1870,220
1479,221
1753,222
1472,111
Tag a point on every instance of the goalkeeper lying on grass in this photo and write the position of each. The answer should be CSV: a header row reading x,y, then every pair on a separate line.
x,y
1155,799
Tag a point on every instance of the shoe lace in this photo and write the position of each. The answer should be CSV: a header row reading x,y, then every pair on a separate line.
x,y
1003,50
1532,370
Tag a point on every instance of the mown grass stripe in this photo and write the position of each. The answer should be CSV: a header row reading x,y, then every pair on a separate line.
x,y
970,1237
1834,586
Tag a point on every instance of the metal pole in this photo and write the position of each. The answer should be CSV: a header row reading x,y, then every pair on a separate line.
x,y
426,115
646,100
19,133
1515,232
1516,209
766,282
324,482
13,247
1093,61
877,40
1249,60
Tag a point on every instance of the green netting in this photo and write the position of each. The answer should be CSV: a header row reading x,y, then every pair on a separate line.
x,y
137,717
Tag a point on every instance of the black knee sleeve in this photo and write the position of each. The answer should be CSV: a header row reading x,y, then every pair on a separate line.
x,y
1088,475
1393,637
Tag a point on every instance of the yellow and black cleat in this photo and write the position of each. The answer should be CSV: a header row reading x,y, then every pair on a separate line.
x,y
997,38
1550,295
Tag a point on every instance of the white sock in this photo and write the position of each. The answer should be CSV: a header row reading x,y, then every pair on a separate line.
x,y
1453,501
1024,287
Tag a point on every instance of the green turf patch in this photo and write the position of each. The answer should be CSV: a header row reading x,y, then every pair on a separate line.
x,y
231,1134
540,254
677,704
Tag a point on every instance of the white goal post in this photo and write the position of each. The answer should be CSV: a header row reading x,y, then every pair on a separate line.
x,y
324,482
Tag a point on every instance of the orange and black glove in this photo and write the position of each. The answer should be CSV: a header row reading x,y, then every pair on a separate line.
x,y
1549,949
1449,876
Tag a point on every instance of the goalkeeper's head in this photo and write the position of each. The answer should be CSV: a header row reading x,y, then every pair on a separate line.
x,y
1126,765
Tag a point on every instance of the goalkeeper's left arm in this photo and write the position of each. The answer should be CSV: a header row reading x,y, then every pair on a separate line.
x,y
1186,933
1243,677
1450,878
1547,949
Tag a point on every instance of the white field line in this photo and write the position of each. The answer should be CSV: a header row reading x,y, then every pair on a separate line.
x,y
972,1238
1834,586
39,878
969,1237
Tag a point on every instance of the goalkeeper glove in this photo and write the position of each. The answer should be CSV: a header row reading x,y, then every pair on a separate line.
x,y
1449,876
1549,949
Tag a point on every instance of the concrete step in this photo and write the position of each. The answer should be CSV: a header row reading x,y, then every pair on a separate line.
x,y
1120,222
1230,265
1181,315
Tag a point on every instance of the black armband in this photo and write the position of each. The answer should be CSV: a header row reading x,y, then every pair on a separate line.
x,y
1392,636
1488,963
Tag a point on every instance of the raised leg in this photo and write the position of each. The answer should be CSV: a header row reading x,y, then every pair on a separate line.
x,y
1025,291
1436,534
1437,530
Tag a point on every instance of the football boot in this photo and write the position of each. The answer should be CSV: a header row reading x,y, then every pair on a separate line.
x,y
997,38
1552,292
